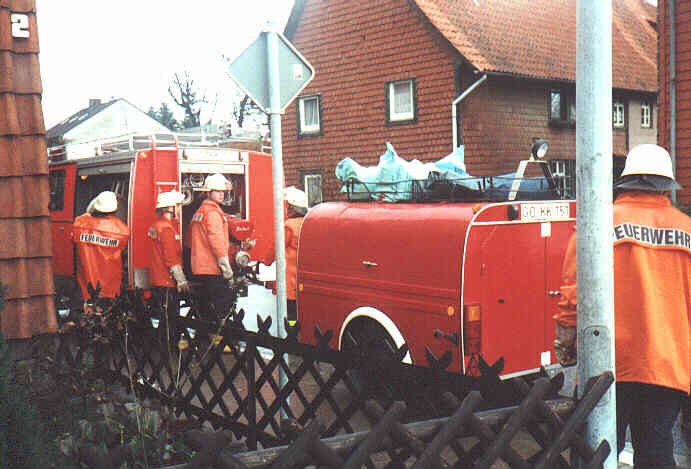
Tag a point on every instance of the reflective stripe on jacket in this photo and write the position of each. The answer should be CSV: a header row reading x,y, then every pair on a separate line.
x,y
100,242
208,238
652,291
167,252
293,226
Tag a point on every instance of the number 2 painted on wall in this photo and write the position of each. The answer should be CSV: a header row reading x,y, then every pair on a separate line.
x,y
20,25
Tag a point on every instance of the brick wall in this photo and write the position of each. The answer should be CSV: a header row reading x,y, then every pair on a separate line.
x,y
501,119
683,108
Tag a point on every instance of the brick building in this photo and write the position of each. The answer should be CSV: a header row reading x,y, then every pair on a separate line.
x,y
389,70
682,61
25,238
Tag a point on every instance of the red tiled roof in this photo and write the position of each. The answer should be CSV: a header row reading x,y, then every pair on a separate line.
x,y
25,238
537,38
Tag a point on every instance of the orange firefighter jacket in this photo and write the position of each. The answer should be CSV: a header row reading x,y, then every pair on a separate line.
x,y
208,238
167,252
293,226
652,291
100,242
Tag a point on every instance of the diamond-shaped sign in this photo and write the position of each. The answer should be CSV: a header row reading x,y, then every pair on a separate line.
x,y
250,72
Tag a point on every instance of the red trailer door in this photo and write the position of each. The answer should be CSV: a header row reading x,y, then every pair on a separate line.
x,y
511,272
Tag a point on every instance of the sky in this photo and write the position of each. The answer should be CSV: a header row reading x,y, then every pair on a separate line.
x,y
132,48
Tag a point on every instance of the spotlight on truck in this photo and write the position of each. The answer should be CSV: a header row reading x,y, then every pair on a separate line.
x,y
539,148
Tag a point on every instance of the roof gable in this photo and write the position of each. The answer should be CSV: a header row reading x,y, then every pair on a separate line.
x,y
76,119
537,38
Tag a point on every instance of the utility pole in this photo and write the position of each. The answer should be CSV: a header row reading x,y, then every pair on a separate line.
x,y
594,218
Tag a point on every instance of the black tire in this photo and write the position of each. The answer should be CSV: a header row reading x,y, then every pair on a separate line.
x,y
376,348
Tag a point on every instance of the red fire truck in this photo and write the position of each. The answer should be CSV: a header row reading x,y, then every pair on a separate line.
x,y
472,277
137,169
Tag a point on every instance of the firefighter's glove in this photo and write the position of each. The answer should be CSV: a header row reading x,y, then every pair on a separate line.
x,y
565,345
180,279
224,265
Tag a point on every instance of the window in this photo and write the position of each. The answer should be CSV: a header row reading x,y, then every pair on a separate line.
x,y
564,172
313,188
645,113
618,113
310,180
57,191
562,108
401,101
309,111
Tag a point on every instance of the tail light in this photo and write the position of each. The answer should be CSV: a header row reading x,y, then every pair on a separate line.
x,y
472,328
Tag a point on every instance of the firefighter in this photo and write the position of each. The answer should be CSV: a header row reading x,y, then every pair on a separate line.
x,y
296,208
652,297
209,245
166,276
296,201
100,238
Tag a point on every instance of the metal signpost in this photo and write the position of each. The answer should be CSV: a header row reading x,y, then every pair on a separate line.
x,y
273,73
594,219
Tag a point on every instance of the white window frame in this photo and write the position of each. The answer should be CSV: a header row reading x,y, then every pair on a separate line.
x,y
401,116
646,114
564,172
618,119
306,184
310,129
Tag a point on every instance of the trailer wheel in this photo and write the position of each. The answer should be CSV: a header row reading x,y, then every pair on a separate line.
x,y
370,341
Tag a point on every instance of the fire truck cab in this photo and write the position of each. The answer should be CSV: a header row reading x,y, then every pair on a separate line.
x,y
470,278
137,169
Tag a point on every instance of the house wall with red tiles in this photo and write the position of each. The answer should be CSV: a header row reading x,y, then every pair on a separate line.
x,y
683,90
501,119
25,236
356,47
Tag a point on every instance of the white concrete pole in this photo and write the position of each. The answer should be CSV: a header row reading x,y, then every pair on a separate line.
x,y
594,219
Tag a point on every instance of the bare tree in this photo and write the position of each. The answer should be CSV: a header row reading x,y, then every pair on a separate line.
x,y
185,95
245,108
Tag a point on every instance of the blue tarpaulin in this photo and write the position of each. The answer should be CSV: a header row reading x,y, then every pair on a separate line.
x,y
395,179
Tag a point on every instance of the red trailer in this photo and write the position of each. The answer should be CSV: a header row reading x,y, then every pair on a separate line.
x,y
473,278
137,169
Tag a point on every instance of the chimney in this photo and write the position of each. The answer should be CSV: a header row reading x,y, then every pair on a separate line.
x,y
94,102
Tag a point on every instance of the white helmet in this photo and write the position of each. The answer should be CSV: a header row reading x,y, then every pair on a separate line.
x,y
169,199
648,159
217,182
105,202
295,196
648,167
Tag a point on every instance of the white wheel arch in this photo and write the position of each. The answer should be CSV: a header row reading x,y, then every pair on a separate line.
x,y
383,320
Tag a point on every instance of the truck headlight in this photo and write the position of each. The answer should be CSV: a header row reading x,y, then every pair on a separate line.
x,y
242,258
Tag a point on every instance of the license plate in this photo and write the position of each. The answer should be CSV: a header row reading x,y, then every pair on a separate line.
x,y
549,211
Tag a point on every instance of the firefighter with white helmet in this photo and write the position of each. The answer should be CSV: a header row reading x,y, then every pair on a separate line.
x,y
296,208
100,238
296,201
209,245
652,300
165,273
